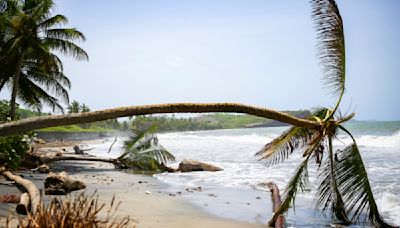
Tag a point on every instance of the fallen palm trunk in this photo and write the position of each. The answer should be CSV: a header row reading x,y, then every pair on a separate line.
x,y
35,123
24,203
31,189
276,203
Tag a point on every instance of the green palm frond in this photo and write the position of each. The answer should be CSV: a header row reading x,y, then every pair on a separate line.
x,y
53,21
328,194
34,96
138,135
354,184
298,182
65,34
331,43
66,48
280,148
143,151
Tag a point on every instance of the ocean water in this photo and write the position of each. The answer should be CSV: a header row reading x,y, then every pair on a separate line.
x,y
239,184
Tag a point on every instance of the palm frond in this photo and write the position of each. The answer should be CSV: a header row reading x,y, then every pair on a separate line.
x,y
66,47
354,184
34,96
65,34
53,21
298,182
143,150
328,194
138,135
280,148
331,43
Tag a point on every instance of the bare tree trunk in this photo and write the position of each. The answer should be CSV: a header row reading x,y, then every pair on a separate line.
x,y
87,117
32,190
61,158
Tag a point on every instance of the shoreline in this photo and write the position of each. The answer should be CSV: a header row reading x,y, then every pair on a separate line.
x,y
143,197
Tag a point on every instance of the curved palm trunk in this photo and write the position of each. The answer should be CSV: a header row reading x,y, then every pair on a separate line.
x,y
87,117
15,87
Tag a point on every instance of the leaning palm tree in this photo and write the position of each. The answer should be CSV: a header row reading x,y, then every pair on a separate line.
x,y
142,150
34,37
344,188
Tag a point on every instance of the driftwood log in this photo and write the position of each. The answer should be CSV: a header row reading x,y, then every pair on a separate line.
x,y
79,150
24,203
188,165
61,184
276,203
30,188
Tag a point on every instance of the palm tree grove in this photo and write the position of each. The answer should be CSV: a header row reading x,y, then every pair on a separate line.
x,y
73,155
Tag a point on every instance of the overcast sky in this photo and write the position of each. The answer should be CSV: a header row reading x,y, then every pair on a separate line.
x,y
254,52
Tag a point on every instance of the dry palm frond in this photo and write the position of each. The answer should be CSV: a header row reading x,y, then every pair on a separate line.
x,y
82,211
331,43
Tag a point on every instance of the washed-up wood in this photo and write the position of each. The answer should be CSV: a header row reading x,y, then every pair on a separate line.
x,y
276,203
31,189
24,203
61,184
189,165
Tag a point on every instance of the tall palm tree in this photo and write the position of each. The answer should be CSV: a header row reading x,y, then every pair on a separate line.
x,y
35,35
344,188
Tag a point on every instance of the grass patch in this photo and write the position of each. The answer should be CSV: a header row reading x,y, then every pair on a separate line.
x,y
76,128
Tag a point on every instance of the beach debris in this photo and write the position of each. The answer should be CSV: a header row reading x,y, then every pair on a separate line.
x,y
276,203
43,168
147,192
80,151
170,194
24,204
61,184
26,185
258,197
39,141
112,144
212,195
189,165
9,198
195,189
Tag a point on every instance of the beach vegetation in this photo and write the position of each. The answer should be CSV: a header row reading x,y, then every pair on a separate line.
x,y
143,151
13,147
343,189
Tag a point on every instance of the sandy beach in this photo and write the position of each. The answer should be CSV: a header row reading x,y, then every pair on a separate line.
x,y
141,195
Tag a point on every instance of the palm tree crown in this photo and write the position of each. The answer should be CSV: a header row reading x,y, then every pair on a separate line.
x,y
33,36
